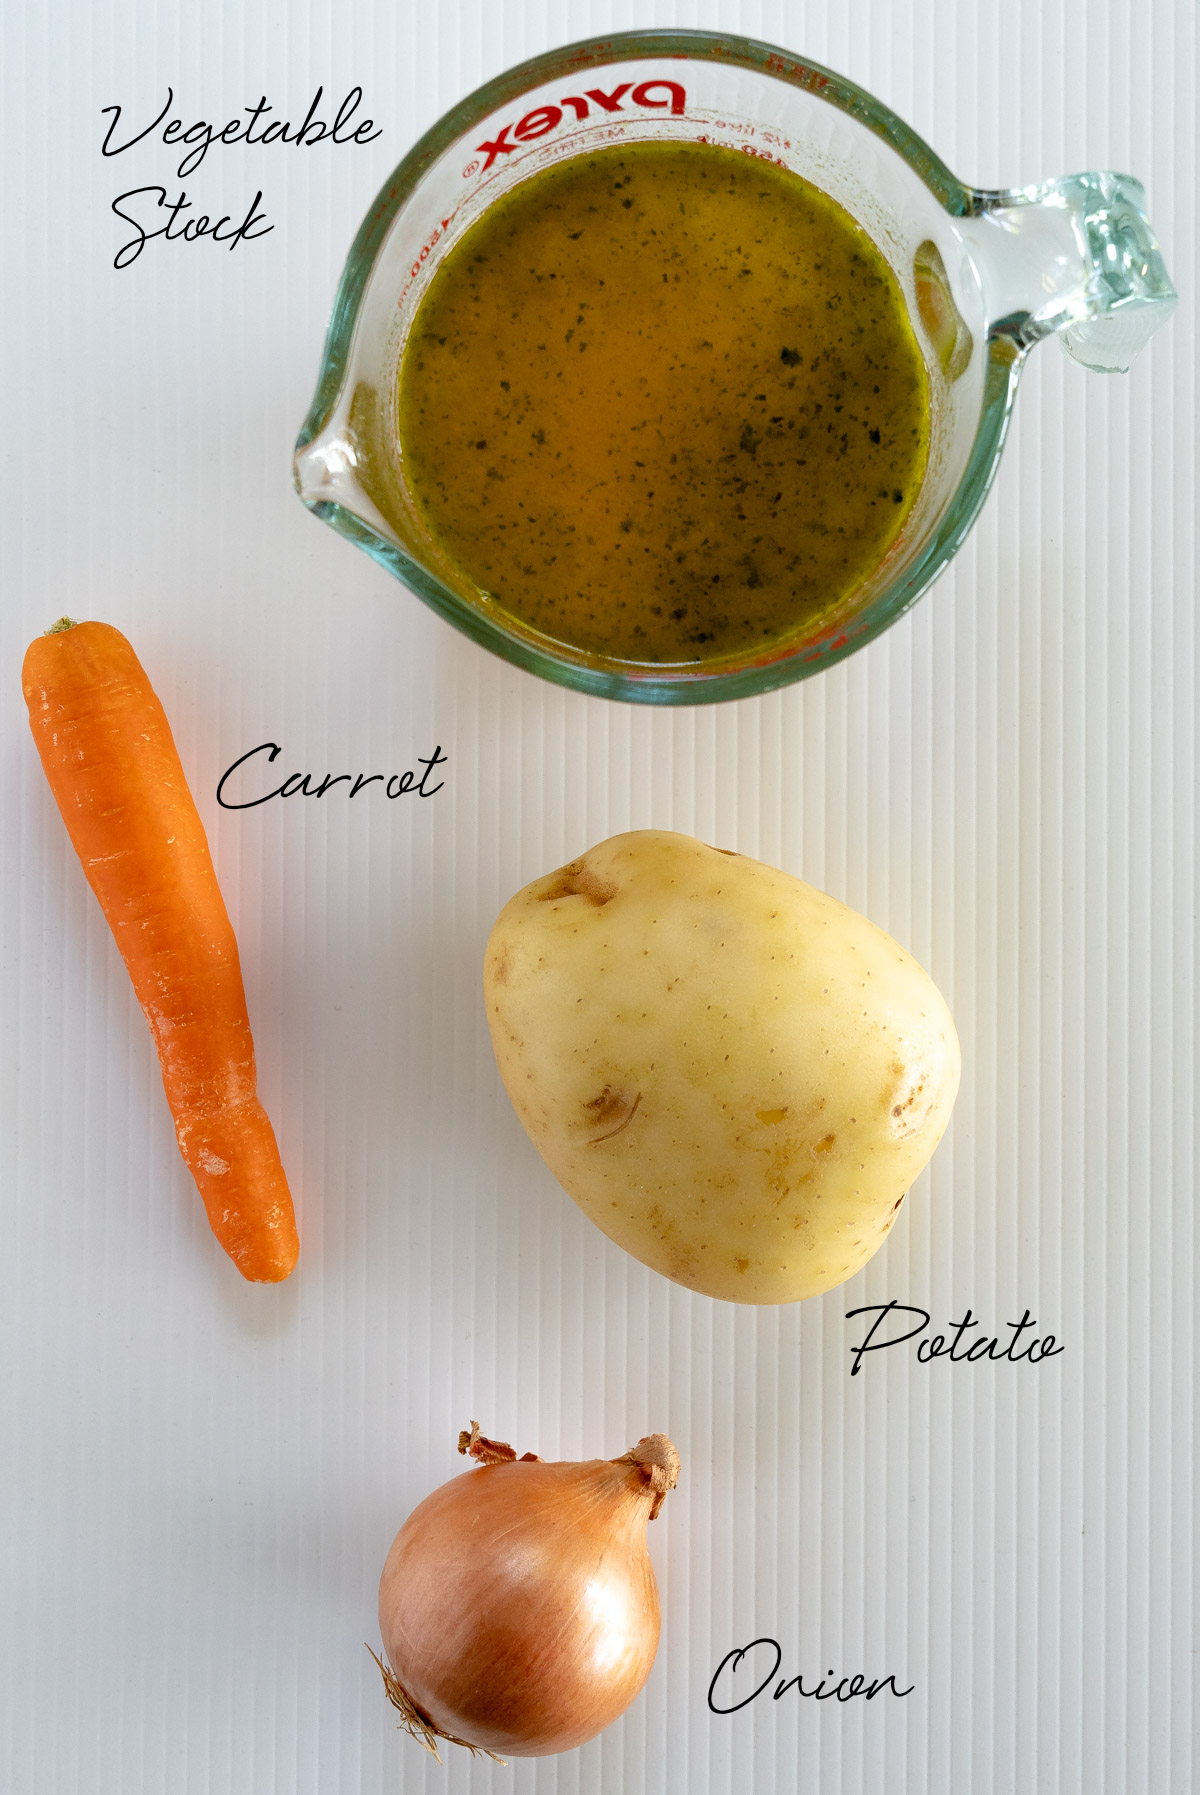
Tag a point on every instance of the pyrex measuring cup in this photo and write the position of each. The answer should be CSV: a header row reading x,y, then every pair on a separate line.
x,y
985,275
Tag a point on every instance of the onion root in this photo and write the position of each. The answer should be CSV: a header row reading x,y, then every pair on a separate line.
x,y
419,1726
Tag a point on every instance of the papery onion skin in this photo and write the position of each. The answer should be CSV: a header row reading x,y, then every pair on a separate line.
x,y
518,1605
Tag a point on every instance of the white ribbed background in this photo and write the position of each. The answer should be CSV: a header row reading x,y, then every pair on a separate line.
x,y
199,1480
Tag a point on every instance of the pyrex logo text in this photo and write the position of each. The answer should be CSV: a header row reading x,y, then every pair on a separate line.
x,y
545,118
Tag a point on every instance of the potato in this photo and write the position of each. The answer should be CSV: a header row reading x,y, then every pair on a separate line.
x,y
735,1076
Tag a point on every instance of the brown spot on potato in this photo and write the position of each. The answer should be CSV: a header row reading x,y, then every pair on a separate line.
x,y
770,1116
826,1143
915,1097
612,1111
579,880
742,1264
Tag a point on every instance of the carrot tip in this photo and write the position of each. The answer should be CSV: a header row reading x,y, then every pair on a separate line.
x,y
64,623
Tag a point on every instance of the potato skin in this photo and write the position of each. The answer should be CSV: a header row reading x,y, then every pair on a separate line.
x,y
735,1076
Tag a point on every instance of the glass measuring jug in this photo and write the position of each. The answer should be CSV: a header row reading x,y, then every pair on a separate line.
x,y
985,275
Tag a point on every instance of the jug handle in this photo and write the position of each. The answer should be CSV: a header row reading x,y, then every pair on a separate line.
x,y
1074,257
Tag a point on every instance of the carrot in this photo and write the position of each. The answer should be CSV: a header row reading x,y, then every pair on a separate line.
x,y
107,752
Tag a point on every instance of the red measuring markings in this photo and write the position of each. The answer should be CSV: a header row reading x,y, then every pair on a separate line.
x,y
544,119
778,65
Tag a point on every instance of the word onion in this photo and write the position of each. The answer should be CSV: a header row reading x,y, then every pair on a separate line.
x,y
518,1605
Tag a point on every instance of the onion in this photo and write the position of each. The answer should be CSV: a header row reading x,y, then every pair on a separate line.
x,y
518,1605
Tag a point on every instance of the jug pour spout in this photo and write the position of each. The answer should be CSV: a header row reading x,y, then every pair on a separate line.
x,y
1074,257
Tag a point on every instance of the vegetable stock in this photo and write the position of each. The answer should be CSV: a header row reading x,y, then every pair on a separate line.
x,y
663,403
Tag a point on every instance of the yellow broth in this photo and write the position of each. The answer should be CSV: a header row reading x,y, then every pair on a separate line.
x,y
663,403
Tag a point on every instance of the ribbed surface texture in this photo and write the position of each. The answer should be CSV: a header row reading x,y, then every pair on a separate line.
x,y
199,1479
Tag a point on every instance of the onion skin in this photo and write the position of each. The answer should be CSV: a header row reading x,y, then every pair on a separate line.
x,y
518,1605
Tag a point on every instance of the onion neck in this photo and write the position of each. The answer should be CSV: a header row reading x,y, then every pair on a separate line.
x,y
654,1457
658,1461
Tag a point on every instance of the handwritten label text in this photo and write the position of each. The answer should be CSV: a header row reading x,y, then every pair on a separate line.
x,y
725,1686
138,206
959,1349
303,785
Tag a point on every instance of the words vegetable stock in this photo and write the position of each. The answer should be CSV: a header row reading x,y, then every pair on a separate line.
x,y
198,138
